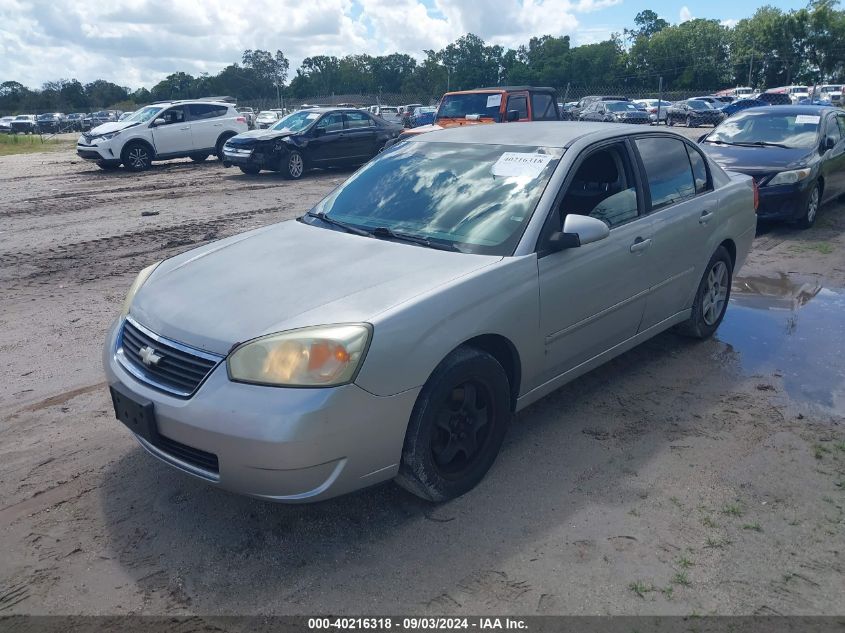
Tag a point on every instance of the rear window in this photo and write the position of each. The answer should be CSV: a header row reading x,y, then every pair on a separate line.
x,y
667,166
206,110
543,107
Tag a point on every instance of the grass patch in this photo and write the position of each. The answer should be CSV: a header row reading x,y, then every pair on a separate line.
x,y
668,592
709,523
716,543
755,527
26,144
733,509
640,588
825,248
681,578
819,451
684,562
840,446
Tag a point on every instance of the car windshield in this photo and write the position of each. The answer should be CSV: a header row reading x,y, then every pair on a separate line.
x,y
791,130
144,114
22,117
384,109
697,104
475,198
296,122
266,114
620,107
459,106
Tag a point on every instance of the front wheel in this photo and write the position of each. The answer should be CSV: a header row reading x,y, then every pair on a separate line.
x,y
294,165
457,426
136,157
811,210
669,121
711,299
108,165
689,122
252,170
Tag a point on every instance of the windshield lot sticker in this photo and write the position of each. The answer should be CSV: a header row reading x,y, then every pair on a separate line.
x,y
494,101
807,118
519,164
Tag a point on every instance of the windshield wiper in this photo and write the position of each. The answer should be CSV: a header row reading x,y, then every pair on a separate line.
x,y
385,232
762,144
343,225
710,140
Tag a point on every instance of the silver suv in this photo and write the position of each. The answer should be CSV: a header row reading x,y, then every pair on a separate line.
x,y
161,131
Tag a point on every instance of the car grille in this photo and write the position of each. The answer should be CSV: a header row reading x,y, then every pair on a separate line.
x,y
179,369
188,454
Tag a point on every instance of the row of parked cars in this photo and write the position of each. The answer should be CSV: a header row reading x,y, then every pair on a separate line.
x,y
55,122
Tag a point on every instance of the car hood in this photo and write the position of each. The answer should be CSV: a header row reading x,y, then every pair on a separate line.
x,y
756,160
114,126
285,276
259,135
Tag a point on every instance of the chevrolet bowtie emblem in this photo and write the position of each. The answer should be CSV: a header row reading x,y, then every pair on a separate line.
x,y
148,356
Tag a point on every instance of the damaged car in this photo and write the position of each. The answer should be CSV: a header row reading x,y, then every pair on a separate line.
x,y
317,137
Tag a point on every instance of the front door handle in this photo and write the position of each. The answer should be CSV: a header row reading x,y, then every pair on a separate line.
x,y
640,244
705,216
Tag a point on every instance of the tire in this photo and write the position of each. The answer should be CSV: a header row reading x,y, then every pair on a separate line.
x,y
293,165
108,165
252,170
218,149
812,209
454,437
198,158
689,122
136,156
711,297
669,121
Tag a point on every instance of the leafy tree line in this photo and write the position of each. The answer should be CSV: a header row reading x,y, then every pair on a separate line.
x,y
772,47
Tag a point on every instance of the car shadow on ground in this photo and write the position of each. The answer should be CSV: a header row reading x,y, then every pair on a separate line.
x,y
582,445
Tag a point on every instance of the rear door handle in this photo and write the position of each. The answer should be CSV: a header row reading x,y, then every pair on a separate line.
x,y
705,217
640,244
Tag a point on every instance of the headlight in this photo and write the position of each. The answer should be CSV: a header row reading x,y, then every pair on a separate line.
x,y
322,356
136,286
108,136
789,177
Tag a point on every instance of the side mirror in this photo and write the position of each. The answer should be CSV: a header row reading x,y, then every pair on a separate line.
x,y
319,131
578,230
828,143
513,115
158,122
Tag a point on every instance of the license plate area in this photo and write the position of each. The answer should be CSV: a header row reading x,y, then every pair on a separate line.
x,y
136,413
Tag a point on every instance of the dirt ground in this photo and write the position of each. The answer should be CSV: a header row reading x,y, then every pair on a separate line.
x,y
683,477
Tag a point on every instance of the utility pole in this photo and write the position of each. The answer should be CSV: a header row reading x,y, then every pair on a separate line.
x,y
750,67
659,99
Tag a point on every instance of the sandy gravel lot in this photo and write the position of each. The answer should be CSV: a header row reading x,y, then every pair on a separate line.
x,y
681,478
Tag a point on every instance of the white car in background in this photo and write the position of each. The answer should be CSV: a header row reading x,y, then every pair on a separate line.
x,y
831,92
173,129
268,118
6,124
650,106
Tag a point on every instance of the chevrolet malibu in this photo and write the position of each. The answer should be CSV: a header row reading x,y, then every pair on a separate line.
x,y
393,330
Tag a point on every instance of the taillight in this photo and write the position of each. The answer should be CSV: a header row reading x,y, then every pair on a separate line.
x,y
756,195
240,119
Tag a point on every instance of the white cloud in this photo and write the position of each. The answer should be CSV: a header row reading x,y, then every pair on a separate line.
x,y
729,22
139,42
685,14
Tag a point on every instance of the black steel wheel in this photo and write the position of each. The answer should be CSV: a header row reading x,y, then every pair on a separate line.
x,y
457,426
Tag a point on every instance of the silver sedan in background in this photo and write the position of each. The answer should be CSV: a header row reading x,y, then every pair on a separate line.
x,y
393,330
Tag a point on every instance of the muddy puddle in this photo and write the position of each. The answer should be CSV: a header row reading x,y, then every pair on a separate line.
x,y
792,327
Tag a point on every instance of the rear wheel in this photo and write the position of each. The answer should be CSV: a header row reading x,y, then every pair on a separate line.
x,y
218,149
457,426
136,156
198,158
711,299
811,210
293,165
252,170
689,122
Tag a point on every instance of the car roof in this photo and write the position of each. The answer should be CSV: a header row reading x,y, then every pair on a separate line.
x,y
533,133
795,109
503,89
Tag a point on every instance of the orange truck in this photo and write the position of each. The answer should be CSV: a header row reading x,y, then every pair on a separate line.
x,y
491,105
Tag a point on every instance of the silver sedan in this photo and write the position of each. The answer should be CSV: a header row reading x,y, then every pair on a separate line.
x,y
393,330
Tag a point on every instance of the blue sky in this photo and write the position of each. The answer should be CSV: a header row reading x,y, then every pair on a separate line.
x,y
139,42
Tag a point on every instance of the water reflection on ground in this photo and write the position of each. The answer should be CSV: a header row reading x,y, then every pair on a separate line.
x,y
795,327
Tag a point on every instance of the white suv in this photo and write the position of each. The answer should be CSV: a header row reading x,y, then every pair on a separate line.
x,y
175,129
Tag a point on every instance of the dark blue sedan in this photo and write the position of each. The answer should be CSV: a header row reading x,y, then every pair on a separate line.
x,y
742,104
796,155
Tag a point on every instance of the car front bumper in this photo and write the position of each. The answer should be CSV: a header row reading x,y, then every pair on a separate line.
x,y
784,202
279,444
95,151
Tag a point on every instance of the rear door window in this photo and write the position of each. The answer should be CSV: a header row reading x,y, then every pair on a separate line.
x,y
358,120
206,110
543,107
668,170
699,170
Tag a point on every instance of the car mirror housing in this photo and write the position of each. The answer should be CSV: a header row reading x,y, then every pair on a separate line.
x,y
158,122
578,230
513,115
319,131
828,143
